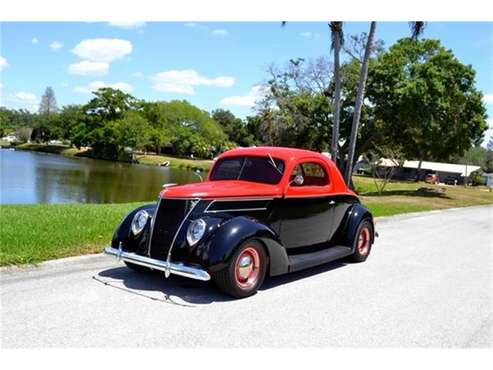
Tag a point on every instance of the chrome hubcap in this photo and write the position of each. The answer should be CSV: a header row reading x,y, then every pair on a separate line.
x,y
364,241
247,268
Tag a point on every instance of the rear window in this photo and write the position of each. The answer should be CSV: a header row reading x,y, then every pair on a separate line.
x,y
256,169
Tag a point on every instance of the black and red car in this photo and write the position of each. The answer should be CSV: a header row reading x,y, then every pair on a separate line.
x,y
263,211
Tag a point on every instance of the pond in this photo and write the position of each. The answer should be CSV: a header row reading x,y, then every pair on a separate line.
x,y
31,177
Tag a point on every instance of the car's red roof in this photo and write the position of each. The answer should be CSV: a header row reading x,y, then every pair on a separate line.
x,y
277,152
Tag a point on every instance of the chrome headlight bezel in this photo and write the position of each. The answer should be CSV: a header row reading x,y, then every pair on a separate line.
x,y
196,231
139,221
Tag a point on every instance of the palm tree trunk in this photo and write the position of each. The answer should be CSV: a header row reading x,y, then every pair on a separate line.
x,y
337,97
359,103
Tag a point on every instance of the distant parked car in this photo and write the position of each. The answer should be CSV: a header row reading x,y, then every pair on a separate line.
x,y
262,212
432,178
450,180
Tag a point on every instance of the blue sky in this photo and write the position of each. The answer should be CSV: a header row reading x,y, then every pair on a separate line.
x,y
210,64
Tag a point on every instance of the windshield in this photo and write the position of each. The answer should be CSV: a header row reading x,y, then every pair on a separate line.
x,y
265,170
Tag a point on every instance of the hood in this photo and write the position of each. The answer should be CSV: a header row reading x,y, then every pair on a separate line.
x,y
222,189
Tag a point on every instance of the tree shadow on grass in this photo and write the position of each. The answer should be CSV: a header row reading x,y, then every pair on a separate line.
x,y
186,292
421,192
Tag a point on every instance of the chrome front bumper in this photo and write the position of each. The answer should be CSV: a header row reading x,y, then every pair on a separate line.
x,y
168,267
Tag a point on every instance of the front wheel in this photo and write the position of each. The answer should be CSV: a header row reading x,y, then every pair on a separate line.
x,y
245,272
362,241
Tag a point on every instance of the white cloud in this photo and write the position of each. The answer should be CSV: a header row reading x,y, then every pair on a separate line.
x,y
56,45
127,24
87,68
310,35
138,74
34,40
488,98
219,32
190,24
21,100
3,63
102,50
256,93
95,85
184,81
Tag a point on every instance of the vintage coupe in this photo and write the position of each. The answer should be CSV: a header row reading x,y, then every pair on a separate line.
x,y
262,211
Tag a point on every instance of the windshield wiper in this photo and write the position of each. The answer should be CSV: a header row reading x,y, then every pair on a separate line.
x,y
274,164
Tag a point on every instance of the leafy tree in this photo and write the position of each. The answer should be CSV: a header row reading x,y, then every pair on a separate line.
x,y
426,101
132,130
295,110
48,103
69,118
234,127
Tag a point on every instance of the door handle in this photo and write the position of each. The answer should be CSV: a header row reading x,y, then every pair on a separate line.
x,y
332,202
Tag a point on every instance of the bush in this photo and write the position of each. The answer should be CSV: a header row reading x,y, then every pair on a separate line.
x,y
477,178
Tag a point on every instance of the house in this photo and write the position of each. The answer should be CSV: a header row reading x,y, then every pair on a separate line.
x,y
443,170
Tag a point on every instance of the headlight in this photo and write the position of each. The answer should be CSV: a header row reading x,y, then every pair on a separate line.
x,y
139,221
195,231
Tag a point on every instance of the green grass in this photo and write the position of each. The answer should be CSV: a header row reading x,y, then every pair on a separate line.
x,y
35,233
203,164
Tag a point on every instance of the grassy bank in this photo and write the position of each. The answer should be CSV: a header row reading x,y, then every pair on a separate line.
x,y
35,233
203,164
149,159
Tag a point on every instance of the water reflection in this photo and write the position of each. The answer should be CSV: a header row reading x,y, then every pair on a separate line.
x,y
29,177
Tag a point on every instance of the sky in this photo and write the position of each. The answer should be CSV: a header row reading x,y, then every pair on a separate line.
x,y
212,65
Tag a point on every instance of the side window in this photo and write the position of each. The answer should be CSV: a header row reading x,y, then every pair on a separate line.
x,y
313,174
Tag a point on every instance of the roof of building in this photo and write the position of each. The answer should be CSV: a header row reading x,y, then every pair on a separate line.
x,y
462,169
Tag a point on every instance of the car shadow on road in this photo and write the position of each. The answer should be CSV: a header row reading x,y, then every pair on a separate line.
x,y
191,292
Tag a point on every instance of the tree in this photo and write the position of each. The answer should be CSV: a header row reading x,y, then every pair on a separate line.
x,y
426,101
359,103
48,103
234,127
337,37
296,110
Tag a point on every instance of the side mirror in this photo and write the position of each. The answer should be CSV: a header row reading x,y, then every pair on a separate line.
x,y
298,180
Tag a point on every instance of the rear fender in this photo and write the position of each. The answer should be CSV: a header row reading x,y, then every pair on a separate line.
x,y
347,230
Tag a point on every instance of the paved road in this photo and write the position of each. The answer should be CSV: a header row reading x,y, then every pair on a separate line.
x,y
428,282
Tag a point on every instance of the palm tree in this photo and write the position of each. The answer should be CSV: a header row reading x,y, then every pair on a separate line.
x,y
337,40
359,103
417,28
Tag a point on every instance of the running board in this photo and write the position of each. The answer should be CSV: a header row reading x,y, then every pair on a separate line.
x,y
302,261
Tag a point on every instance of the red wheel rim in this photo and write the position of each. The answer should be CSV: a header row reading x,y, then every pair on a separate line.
x,y
247,268
364,241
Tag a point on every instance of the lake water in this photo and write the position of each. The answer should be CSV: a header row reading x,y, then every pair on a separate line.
x,y
31,177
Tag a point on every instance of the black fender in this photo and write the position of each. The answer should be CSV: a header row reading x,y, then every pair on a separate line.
x,y
227,238
347,231
123,233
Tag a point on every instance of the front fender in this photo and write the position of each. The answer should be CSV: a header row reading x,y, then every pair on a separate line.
x,y
123,233
224,242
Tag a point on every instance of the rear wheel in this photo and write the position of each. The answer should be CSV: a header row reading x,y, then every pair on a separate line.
x,y
137,268
246,271
362,241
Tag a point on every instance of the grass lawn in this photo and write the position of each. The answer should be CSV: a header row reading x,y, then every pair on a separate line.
x,y
404,197
39,232
35,233
203,164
